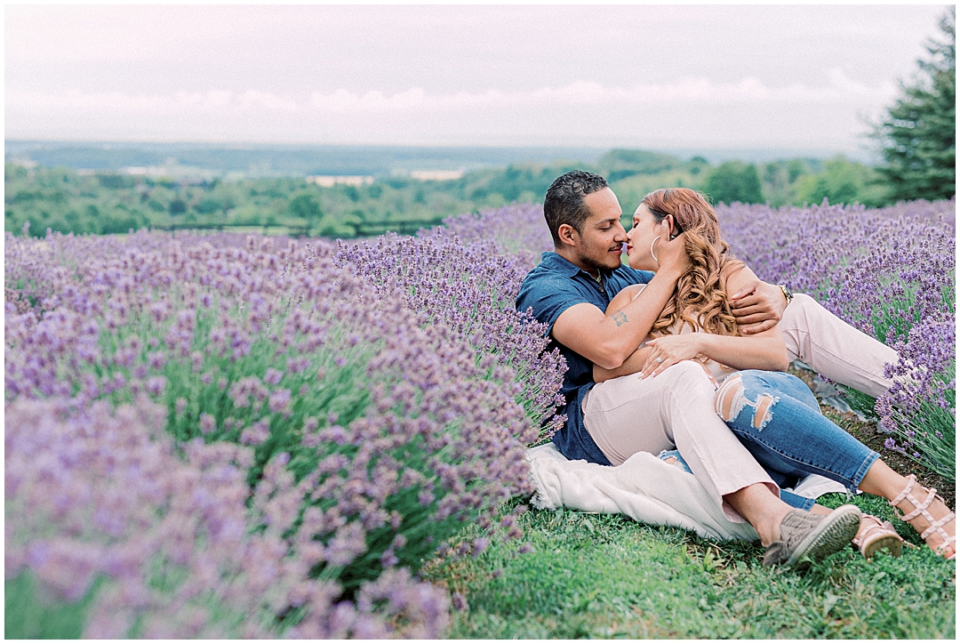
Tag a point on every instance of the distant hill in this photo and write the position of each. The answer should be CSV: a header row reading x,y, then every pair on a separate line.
x,y
286,160
252,161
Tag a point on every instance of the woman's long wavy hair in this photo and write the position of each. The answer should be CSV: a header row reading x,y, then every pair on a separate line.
x,y
701,297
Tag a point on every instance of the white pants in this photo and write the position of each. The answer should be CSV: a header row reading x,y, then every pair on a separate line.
x,y
627,415
835,349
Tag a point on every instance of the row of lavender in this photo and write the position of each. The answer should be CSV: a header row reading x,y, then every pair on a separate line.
x,y
208,436
888,272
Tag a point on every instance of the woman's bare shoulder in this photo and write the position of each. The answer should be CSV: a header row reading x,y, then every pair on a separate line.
x,y
624,297
735,274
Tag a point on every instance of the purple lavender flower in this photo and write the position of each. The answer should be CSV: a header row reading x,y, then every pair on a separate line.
x,y
157,360
208,423
272,376
256,434
279,401
156,385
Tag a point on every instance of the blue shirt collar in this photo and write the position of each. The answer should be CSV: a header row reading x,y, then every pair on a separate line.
x,y
558,263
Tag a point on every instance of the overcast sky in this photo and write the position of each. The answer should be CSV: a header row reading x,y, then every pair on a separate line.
x,y
795,77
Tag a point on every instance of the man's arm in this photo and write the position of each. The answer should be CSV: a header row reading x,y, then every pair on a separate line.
x,y
636,360
633,364
609,341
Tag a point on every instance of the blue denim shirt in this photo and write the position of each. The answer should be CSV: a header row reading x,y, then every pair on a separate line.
x,y
547,291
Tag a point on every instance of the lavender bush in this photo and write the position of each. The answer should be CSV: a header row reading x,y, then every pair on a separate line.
x,y
882,270
888,272
469,285
921,410
373,430
516,231
101,504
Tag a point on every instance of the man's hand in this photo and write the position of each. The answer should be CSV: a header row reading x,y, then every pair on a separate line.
x,y
757,306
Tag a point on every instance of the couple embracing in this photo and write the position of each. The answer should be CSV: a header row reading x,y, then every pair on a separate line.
x,y
684,353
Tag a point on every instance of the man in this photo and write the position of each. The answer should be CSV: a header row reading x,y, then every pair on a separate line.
x,y
569,292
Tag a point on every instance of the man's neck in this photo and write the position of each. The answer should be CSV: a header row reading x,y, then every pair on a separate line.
x,y
589,270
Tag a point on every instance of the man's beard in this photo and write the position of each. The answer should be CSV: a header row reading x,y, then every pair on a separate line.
x,y
595,264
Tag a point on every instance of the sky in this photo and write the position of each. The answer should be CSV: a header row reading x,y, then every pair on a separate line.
x,y
798,77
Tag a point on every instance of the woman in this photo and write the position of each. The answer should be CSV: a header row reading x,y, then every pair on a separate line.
x,y
773,413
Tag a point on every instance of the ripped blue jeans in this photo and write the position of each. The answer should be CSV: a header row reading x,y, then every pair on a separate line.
x,y
788,497
778,420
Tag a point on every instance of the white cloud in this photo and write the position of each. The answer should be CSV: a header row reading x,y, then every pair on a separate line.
x,y
531,74
268,101
683,93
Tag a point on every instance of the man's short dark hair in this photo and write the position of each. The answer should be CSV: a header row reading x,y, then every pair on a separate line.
x,y
564,201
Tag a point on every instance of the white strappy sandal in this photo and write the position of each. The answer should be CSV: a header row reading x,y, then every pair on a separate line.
x,y
920,509
878,535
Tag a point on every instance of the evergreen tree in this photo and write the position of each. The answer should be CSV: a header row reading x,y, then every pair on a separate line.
x,y
919,133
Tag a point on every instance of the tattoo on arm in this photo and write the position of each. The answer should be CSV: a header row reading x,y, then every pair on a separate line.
x,y
620,317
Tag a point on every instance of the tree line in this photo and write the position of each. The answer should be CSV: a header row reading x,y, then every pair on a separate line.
x,y
107,203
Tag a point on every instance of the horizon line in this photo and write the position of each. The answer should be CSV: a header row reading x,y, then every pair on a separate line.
x,y
654,147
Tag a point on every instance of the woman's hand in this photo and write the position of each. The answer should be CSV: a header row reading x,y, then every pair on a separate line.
x,y
669,350
671,253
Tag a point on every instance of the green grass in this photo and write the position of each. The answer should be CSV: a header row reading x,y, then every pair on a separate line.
x,y
606,576
32,613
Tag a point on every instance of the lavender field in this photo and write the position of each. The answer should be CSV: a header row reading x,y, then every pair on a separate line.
x,y
228,436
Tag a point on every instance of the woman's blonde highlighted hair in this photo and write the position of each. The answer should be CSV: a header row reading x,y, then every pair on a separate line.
x,y
700,299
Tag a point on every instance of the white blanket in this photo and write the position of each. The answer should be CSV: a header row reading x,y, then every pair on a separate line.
x,y
645,489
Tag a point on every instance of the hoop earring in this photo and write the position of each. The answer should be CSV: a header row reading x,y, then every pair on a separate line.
x,y
651,250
